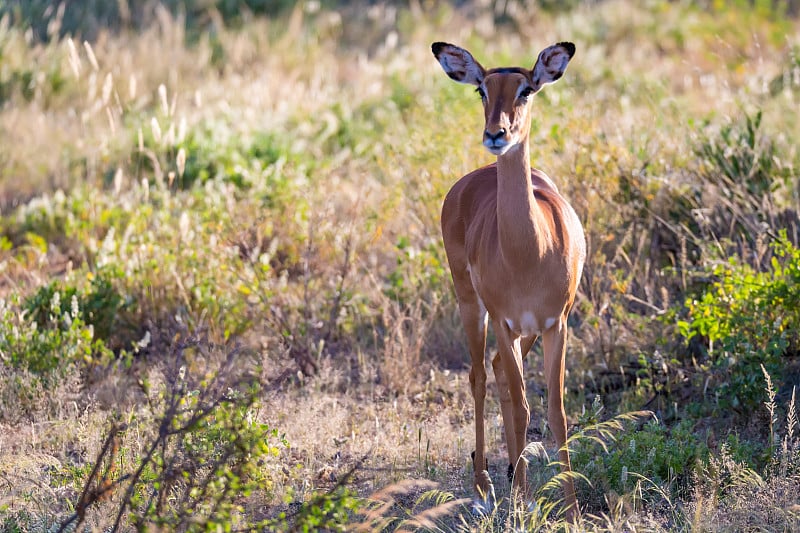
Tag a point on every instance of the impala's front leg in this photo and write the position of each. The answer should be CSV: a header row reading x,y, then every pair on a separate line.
x,y
554,341
507,409
510,352
506,405
473,316
483,483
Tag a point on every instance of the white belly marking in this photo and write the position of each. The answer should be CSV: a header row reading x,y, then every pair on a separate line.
x,y
528,326
528,322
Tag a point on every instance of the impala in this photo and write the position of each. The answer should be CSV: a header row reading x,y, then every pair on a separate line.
x,y
516,250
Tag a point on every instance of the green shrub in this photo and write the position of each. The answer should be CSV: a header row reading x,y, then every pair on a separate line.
x,y
46,350
192,460
743,161
98,307
210,152
748,319
214,453
418,271
666,456
324,511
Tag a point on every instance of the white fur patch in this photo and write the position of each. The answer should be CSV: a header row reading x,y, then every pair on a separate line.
x,y
528,321
483,317
528,325
550,322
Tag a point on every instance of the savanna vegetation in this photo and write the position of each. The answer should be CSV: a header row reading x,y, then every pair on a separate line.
x,y
224,302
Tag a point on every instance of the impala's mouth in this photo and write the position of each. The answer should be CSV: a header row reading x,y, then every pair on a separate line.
x,y
497,146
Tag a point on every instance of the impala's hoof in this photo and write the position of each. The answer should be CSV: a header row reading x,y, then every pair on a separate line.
x,y
573,514
486,503
481,508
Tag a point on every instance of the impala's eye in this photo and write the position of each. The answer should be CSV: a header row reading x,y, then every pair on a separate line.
x,y
525,93
481,93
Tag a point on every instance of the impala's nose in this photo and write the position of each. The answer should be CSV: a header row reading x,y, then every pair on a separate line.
x,y
494,137
496,143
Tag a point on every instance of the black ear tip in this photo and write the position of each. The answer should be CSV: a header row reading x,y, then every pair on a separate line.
x,y
569,47
437,47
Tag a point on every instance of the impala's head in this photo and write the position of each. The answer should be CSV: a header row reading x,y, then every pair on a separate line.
x,y
506,92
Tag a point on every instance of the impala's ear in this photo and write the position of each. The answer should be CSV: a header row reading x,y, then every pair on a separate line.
x,y
551,64
458,63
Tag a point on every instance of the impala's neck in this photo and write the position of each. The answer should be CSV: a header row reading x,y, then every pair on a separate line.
x,y
520,226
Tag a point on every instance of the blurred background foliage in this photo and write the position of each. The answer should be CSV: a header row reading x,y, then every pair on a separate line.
x,y
86,18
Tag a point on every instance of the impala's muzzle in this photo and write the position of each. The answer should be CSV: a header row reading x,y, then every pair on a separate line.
x,y
496,143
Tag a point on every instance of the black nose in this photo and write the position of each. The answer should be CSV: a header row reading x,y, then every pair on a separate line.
x,y
495,136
